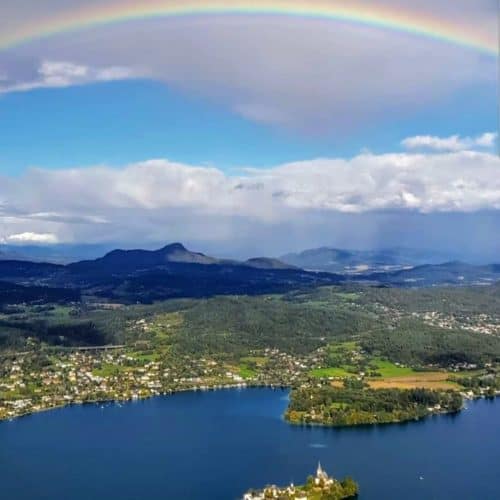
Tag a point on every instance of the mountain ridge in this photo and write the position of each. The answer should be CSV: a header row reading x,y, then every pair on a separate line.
x,y
174,271
338,260
171,271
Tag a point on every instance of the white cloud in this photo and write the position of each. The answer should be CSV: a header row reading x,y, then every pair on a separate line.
x,y
486,140
159,197
31,238
59,74
452,143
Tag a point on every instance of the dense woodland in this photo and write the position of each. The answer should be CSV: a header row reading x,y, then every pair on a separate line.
x,y
297,322
415,343
240,324
356,405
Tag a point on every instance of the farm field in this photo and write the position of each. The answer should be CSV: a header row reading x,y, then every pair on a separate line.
x,y
422,380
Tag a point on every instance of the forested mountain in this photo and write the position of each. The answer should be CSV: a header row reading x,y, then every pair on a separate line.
x,y
119,261
172,271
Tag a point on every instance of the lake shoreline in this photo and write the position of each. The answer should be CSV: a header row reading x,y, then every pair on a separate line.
x,y
97,402
245,386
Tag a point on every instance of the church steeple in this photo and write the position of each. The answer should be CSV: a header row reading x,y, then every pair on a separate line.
x,y
319,470
321,475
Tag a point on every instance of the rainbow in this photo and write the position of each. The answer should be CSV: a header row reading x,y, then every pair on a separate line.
x,y
347,11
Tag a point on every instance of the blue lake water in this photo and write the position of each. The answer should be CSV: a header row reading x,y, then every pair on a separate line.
x,y
216,445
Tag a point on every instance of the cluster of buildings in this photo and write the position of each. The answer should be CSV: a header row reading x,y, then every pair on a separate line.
x,y
480,323
320,483
81,376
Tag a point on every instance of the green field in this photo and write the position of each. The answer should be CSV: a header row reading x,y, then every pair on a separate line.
x,y
145,357
246,372
388,369
336,372
108,370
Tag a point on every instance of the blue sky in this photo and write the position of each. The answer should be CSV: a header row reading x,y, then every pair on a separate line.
x,y
123,122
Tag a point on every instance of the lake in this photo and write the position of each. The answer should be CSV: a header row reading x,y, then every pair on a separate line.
x,y
216,445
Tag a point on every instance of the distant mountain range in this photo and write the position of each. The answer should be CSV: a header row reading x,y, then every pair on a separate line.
x,y
70,253
175,253
172,271
401,267
361,261
449,273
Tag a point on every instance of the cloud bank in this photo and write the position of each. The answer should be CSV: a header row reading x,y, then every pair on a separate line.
x,y
157,199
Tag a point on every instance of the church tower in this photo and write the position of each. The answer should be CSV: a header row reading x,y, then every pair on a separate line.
x,y
321,475
319,470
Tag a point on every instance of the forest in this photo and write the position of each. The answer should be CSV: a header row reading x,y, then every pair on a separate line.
x,y
381,320
415,343
355,404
